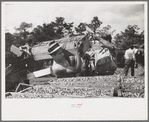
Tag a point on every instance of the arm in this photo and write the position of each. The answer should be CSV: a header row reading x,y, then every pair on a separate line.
x,y
71,69
77,67
78,63
125,55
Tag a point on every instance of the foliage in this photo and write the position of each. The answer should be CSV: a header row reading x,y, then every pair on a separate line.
x,y
19,38
106,30
95,23
81,28
59,28
22,30
11,39
53,30
94,26
129,37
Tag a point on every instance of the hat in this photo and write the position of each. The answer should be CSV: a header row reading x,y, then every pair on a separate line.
x,y
53,47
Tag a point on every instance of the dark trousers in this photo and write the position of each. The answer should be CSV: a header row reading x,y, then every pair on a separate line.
x,y
129,64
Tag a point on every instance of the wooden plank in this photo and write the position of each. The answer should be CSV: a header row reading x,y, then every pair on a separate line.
x,y
22,86
8,70
16,50
24,90
40,49
39,73
42,56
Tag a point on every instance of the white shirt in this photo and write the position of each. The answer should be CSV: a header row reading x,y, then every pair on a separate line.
x,y
129,54
135,50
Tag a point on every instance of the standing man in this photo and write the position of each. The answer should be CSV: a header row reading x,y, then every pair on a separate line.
x,y
140,58
129,61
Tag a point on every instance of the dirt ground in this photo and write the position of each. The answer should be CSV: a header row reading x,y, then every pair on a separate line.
x,y
138,71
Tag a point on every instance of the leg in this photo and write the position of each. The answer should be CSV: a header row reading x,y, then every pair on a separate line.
x,y
132,68
126,67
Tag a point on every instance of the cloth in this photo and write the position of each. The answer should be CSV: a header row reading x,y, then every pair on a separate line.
x,y
99,54
104,63
105,66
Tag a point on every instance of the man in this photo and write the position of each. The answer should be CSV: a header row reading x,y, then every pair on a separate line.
x,y
27,47
62,66
140,58
129,61
27,55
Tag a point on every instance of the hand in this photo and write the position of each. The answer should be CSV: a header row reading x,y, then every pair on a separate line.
x,y
70,69
30,75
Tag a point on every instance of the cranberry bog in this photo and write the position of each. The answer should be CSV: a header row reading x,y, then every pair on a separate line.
x,y
81,87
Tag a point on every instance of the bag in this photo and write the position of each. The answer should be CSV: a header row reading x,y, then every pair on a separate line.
x,y
105,66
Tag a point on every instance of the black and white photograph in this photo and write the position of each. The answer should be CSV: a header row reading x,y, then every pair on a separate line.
x,y
70,56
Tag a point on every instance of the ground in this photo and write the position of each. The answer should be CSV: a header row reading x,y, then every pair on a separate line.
x,y
88,87
138,71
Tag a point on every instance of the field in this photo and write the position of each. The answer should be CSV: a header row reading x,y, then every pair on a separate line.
x,y
86,87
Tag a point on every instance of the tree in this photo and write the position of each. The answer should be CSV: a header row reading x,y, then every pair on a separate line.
x,y
22,30
95,23
9,38
61,26
53,30
81,28
106,30
118,40
130,36
68,28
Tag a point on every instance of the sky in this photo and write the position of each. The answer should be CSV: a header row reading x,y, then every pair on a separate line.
x,y
117,14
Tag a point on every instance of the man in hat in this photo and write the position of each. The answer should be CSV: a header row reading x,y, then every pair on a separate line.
x,y
63,66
